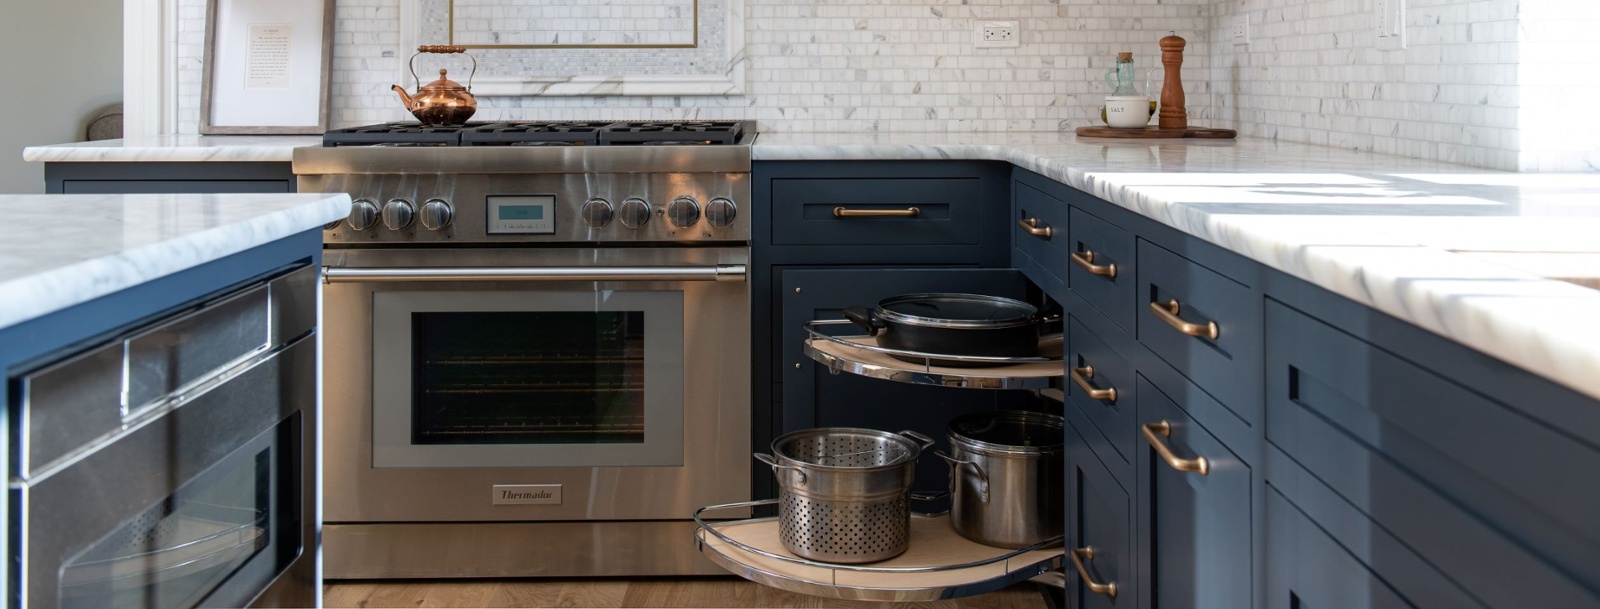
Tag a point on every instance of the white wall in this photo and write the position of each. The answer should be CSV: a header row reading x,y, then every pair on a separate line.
x,y
63,63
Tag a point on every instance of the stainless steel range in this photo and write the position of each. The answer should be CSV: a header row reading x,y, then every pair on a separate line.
x,y
537,346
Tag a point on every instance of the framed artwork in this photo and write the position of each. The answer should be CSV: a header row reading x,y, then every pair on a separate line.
x,y
266,67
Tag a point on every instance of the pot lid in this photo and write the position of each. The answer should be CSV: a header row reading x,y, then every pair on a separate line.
x,y
957,310
443,84
1008,431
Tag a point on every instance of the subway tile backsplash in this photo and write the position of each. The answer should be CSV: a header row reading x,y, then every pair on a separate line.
x,y
1312,72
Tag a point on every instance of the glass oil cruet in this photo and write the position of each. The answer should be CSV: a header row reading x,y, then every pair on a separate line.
x,y
1120,79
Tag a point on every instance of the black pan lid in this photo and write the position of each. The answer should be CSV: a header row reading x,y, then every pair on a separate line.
x,y
957,311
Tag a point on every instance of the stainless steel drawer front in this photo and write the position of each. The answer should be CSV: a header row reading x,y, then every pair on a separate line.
x,y
94,396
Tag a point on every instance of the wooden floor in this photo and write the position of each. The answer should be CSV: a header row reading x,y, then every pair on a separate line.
x,y
707,592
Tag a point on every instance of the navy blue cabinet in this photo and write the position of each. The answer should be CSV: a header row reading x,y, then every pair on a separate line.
x,y
1038,237
1100,534
1194,509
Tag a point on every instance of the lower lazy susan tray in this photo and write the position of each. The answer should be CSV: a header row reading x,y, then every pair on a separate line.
x,y
939,563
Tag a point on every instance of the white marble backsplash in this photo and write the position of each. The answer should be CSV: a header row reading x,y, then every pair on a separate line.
x,y
1488,83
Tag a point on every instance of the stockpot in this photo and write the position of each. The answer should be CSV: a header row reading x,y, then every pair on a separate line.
x,y
844,493
1005,474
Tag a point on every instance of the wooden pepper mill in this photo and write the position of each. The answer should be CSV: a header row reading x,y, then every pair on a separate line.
x,y
1173,114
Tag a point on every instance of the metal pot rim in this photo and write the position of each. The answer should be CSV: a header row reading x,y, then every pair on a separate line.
x,y
1009,450
913,450
1028,319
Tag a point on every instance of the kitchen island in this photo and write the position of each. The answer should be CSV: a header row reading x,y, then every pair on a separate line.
x,y
125,316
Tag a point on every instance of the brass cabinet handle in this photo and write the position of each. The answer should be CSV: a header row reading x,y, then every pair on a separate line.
x,y
1085,259
1087,553
843,212
1081,376
1154,432
1032,226
1168,312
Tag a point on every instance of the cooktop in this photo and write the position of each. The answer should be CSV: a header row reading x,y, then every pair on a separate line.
x,y
540,133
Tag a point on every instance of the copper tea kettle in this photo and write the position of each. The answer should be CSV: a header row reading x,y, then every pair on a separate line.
x,y
443,102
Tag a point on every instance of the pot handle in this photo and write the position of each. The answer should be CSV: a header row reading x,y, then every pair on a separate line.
x,y
861,316
955,465
767,459
923,442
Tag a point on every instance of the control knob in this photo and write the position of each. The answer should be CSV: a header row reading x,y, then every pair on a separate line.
x,y
597,212
720,212
684,212
437,214
363,214
397,214
635,212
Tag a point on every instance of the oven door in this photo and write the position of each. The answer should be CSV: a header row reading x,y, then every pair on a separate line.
x,y
535,384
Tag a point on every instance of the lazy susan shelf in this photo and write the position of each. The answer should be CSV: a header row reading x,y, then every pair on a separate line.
x,y
939,564
861,355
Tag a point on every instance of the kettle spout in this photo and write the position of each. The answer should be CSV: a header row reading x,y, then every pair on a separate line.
x,y
405,98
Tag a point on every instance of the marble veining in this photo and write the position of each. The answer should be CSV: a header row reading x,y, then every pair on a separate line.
x,y
57,251
176,148
1425,241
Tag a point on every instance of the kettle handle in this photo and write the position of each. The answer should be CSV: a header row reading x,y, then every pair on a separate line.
x,y
444,49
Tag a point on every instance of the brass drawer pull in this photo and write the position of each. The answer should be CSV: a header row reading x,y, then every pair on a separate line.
x,y
1168,312
1085,259
843,212
1087,553
1081,376
1154,432
1032,226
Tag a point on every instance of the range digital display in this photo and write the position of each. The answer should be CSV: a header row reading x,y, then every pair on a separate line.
x,y
522,214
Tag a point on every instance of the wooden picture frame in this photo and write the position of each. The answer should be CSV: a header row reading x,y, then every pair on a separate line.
x,y
267,67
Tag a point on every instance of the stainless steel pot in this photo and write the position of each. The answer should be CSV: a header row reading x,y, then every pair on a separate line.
x,y
1005,478
844,493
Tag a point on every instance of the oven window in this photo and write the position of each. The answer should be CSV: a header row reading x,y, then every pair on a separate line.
x,y
528,377
178,551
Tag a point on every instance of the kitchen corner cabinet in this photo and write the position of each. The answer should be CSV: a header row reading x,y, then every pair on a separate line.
x,y
168,177
827,235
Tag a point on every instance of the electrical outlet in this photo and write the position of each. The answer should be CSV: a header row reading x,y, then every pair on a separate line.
x,y
996,34
1239,29
1390,16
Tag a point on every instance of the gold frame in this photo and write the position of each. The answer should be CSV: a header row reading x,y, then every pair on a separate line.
x,y
450,33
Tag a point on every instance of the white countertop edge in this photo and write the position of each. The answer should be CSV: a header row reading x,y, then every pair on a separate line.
x,y
35,296
1528,321
183,149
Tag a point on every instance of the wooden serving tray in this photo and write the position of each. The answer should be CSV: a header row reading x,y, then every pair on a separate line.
x,y
1157,132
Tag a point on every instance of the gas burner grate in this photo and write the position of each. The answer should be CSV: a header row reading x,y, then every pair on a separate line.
x,y
541,133
674,132
398,133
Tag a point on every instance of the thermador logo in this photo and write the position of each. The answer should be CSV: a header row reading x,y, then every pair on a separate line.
x,y
527,494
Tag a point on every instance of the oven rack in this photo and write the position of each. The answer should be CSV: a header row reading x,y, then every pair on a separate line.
x,y
861,355
939,564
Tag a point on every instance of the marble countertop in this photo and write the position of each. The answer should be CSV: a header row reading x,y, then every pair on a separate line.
x,y
1470,254
57,251
1467,253
176,148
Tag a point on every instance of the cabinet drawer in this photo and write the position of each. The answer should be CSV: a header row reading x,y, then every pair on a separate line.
x,y
1099,532
1308,568
1214,337
1100,268
1038,232
1198,547
1472,486
1092,363
817,211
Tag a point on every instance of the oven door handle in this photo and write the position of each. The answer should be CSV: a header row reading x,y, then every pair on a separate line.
x,y
719,273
